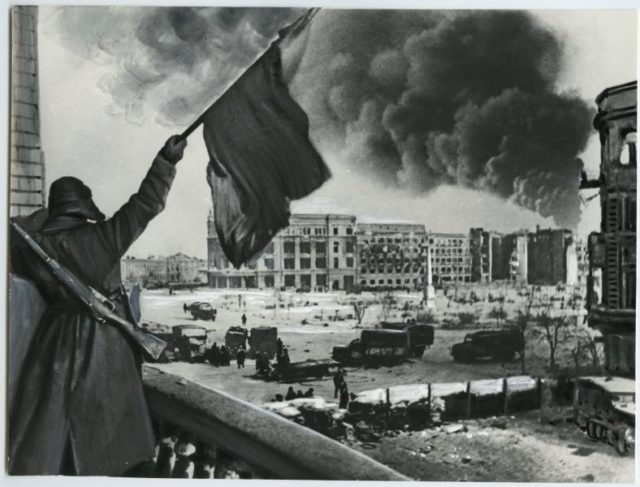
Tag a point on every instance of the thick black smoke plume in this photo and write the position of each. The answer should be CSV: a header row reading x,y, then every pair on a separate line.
x,y
420,98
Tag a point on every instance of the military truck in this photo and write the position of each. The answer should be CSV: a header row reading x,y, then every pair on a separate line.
x,y
420,336
500,345
189,342
202,311
263,339
605,408
235,338
386,345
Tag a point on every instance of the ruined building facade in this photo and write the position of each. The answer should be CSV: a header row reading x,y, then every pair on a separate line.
x,y
451,254
611,296
392,256
26,186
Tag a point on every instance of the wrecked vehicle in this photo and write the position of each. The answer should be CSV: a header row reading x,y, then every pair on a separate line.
x,y
488,344
605,408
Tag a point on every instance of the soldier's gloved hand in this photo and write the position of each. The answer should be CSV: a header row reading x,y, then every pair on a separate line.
x,y
174,148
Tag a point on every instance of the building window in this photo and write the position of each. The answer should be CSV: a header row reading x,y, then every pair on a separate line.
x,y
305,281
268,281
336,263
381,281
289,247
335,230
268,263
349,261
349,247
628,154
349,231
336,246
321,280
321,247
372,282
305,247
289,280
321,263
289,263
305,263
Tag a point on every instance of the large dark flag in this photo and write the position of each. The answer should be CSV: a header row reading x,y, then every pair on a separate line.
x,y
261,157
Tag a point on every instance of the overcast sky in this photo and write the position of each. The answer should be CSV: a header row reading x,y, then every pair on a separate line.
x,y
112,155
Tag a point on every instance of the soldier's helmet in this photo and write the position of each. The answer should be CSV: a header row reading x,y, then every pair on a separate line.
x,y
68,196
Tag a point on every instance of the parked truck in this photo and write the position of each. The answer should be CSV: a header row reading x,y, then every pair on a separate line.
x,y
419,336
262,339
189,342
488,344
235,338
386,345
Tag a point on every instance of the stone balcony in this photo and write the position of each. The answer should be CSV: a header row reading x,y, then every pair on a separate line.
x,y
204,433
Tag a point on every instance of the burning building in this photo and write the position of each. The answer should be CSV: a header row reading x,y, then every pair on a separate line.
x,y
611,285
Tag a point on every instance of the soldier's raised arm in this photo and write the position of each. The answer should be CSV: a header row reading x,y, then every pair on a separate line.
x,y
128,223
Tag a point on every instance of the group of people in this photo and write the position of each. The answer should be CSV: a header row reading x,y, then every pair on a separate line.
x,y
219,356
263,365
291,394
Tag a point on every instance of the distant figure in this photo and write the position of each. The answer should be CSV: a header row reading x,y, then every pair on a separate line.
x,y
338,380
240,356
244,319
185,308
225,356
299,393
214,355
279,347
344,396
284,359
309,392
279,398
290,394
265,366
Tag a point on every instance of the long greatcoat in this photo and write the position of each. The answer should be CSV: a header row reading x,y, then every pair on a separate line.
x,y
80,389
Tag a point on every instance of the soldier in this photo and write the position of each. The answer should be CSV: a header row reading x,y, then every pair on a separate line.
x,y
240,356
244,319
80,408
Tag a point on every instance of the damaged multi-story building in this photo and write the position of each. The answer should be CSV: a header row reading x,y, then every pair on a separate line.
x,y
393,256
611,288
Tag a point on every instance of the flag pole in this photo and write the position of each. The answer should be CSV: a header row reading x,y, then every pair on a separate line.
x,y
294,28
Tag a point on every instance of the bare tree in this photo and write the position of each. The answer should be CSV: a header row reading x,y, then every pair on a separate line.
x,y
552,328
387,301
359,308
499,314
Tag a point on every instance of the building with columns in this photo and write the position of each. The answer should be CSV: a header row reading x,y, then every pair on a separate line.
x,y
315,252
